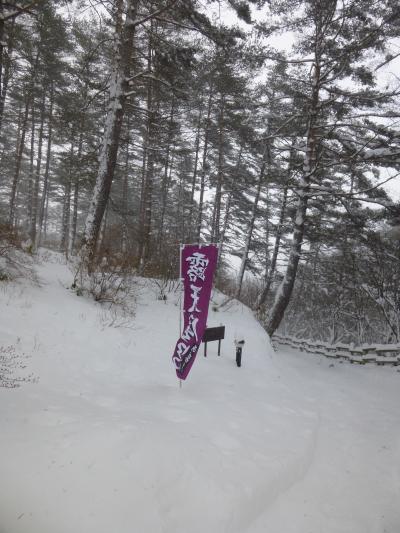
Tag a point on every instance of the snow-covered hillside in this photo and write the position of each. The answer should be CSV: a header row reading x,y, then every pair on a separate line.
x,y
107,442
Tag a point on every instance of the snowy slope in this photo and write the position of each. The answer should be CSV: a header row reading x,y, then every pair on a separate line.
x,y
106,441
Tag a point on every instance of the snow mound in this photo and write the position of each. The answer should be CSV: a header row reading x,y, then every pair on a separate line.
x,y
106,440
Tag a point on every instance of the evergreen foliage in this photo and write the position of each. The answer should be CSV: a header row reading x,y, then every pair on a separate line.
x,y
130,127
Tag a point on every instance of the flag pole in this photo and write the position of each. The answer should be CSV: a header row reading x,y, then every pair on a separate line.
x,y
181,246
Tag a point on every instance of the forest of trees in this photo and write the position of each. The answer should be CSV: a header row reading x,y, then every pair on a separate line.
x,y
128,127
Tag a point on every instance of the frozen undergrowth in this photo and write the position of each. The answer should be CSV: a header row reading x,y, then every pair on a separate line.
x,y
107,441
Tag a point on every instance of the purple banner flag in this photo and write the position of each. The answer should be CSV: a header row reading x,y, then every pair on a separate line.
x,y
197,269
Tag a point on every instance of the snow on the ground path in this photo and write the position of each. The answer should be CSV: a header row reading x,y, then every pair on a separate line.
x,y
107,441
353,483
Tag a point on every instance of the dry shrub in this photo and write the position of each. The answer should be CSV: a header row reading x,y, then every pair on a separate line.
x,y
15,261
163,272
164,279
111,283
163,286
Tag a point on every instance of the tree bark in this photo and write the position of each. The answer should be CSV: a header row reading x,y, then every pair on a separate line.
x,y
44,199
66,217
284,292
148,182
2,39
110,144
267,234
147,205
279,231
224,228
5,68
250,228
124,233
101,248
204,166
165,181
35,188
195,169
31,178
20,149
76,191
215,233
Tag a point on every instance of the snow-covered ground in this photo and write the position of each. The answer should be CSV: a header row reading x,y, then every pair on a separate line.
x,y
106,441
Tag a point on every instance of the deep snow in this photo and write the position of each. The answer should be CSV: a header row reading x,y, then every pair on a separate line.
x,y
106,441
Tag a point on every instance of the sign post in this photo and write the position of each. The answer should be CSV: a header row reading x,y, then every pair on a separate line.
x,y
239,348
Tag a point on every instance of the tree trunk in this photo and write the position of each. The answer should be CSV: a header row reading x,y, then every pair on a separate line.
x,y
165,181
2,39
224,228
44,199
76,192
284,292
272,269
20,149
195,168
66,217
31,178
101,248
267,234
35,189
6,70
64,244
147,196
251,225
204,166
112,130
124,233
215,232
148,183
46,217
142,193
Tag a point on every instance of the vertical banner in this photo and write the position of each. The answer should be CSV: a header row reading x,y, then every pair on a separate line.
x,y
198,264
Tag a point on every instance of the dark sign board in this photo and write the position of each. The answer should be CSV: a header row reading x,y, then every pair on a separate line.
x,y
213,334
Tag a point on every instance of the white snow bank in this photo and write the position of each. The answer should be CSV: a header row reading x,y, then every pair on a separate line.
x,y
106,441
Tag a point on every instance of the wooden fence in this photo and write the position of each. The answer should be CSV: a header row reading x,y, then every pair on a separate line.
x,y
380,354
